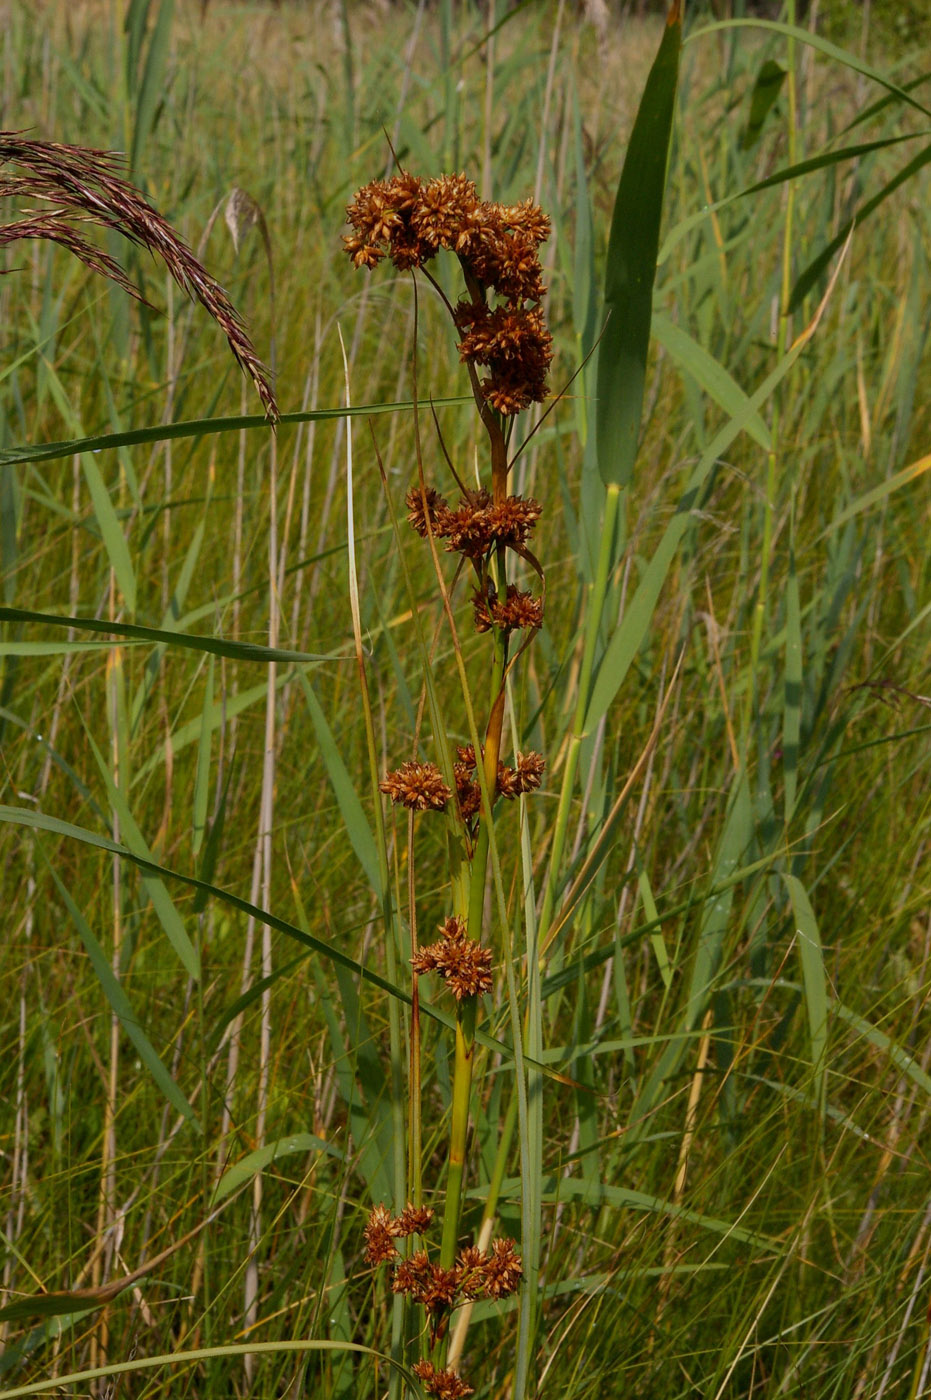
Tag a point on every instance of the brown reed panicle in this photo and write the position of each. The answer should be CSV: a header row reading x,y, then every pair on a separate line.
x,y
507,348
86,186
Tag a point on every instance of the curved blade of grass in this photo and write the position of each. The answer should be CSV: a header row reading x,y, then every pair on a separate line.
x,y
902,1060
878,493
186,1358
122,1007
818,265
597,1192
216,646
631,265
168,916
206,427
628,638
695,360
240,1172
790,172
823,46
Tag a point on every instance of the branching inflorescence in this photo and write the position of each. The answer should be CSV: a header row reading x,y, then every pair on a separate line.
x,y
77,187
505,344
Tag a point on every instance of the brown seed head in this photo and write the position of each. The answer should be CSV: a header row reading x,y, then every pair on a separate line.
x,y
379,1246
446,1384
413,1220
460,960
418,786
503,1270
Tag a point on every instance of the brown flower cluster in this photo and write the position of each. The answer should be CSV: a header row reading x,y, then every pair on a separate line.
x,y
410,219
474,1275
418,786
524,778
446,1384
515,612
383,1229
461,961
477,525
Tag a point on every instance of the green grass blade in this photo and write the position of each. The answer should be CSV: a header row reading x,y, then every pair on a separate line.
x,y
240,1172
202,774
695,360
205,427
628,638
817,268
168,916
111,531
351,809
631,265
121,1006
151,89
814,981
792,712
214,646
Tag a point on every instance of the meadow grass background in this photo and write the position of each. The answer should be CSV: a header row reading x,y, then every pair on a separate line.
x,y
734,1171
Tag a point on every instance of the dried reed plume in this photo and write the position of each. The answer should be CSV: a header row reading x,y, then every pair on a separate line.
x,y
86,186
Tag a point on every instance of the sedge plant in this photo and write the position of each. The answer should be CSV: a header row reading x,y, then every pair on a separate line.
x,y
505,344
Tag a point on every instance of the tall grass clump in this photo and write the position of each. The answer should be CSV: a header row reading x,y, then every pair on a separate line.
x,y
464,852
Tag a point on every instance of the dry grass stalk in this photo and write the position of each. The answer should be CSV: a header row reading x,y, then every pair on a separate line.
x,y
86,186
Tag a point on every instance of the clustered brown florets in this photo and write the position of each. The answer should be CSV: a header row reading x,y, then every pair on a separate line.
x,y
517,611
410,219
475,1274
383,1229
446,1384
462,962
419,786
477,525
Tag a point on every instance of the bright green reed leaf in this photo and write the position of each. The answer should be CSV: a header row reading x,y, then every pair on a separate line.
x,y
631,266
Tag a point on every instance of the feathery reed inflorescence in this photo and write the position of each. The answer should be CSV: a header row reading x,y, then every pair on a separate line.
x,y
86,186
507,348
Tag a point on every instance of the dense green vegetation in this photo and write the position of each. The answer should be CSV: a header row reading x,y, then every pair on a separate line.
x,y
729,1147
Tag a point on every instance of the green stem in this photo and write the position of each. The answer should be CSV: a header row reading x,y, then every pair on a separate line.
x,y
466,1017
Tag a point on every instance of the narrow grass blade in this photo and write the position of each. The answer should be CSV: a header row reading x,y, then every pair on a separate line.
x,y
823,46
111,531
628,638
150,91
695,360
205,427
202,773
818,266
766,89
631,266
240,1172
38,821
814,980
792,709
215,646
121,1006
168,916
879,493
351,809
